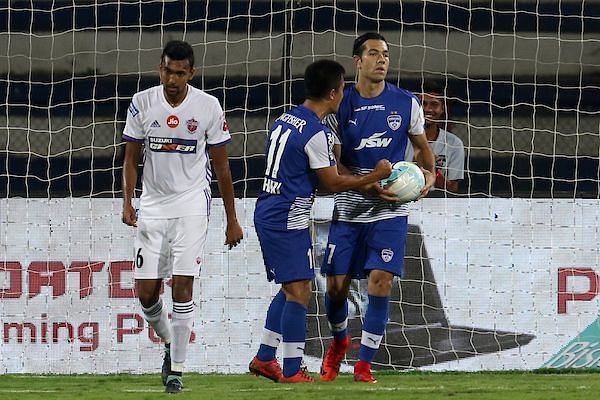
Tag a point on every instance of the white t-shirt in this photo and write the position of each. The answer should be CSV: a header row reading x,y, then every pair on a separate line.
x,y
177,173
449,154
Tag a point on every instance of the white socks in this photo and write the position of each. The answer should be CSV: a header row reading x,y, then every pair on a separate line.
x,y
158,318
182,321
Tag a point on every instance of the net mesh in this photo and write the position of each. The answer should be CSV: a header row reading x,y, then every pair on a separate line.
x,y
522,87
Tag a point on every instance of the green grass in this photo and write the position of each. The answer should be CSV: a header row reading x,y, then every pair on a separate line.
x,y
541,384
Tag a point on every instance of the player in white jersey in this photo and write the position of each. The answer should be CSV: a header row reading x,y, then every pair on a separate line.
x,y
178,126
367,235
447,148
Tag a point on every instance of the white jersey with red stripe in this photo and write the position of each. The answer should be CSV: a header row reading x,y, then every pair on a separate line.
x,y
177,174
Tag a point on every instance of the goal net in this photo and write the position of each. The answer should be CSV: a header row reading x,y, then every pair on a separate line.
x,y
502,274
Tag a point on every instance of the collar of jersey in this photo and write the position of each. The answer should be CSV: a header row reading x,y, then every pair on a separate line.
x,y
164,100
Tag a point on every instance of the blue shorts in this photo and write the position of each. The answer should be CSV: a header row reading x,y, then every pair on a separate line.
x,y
355,249
287,254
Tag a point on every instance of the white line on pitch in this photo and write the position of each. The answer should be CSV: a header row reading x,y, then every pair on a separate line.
x,y
149,390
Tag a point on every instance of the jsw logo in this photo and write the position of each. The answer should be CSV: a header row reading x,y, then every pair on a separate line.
x,y
375,140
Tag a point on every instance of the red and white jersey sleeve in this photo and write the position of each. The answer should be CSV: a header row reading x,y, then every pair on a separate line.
x,y
176,176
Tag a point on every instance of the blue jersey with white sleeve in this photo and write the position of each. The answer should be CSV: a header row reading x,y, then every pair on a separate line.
x,y
371,129
297,145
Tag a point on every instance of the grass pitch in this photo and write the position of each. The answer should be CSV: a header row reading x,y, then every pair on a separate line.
x,y
545,385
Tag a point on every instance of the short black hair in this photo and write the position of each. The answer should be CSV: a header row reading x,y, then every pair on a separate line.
x,y
359,42
436,88
320,77
178,50
433,87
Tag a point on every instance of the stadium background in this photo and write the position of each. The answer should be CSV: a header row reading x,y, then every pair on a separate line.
x,y
524,83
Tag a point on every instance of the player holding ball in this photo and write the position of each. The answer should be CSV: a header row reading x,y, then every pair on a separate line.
x,y
375,121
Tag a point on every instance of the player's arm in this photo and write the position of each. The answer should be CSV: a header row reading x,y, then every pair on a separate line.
x,y
373,188
233,233
130,175
425,159
334,182
321,158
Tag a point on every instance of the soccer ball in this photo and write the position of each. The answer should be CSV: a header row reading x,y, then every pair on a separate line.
x,y
406,180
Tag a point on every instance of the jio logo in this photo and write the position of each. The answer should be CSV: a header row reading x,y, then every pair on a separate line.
x,y
172,121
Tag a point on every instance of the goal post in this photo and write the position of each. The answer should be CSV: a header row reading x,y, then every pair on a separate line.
x,y
501,275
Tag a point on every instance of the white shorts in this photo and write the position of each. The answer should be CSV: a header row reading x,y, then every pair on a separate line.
x,y
166,247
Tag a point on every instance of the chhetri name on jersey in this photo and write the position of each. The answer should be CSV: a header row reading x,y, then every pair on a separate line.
x,y
172,145
298,123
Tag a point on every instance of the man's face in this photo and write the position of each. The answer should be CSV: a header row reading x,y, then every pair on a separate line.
x,y
433,107
174,75
374,60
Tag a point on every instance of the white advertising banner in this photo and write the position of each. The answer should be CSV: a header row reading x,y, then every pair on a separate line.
x,y
506,284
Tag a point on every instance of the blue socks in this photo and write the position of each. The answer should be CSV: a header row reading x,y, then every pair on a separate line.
x,y
272,330
374,323
337,316
293,329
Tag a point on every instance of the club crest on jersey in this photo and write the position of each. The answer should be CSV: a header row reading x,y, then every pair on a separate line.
x,y
192,125
394,121
172,121
387,255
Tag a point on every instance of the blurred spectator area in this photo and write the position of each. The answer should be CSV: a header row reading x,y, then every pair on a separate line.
x,y
523,86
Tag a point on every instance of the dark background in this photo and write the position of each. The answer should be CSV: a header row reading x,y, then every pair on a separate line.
x,y
533,175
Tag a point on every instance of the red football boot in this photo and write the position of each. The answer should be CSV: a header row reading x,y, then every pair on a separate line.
x,y
269,369
362,372
300,377
333,358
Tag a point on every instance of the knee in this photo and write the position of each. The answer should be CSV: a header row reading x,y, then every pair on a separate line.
x,y
182,288
299,292
337,293
337,287
380,285
148,292
148,299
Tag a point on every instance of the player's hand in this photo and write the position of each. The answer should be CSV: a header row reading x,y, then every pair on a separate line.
x,y
383,169
370,188
129,216
429,182
233,234
385,194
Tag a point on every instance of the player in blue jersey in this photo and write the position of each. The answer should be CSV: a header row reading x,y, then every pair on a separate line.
x,y
299,156
367,235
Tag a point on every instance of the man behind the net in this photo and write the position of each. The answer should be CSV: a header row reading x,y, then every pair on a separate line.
x,y
448,149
